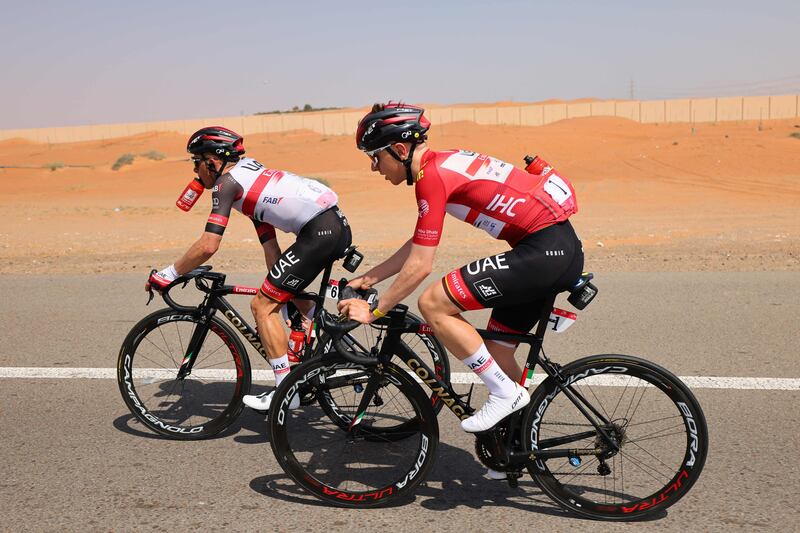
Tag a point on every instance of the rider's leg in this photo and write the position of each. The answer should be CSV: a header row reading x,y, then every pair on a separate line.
x,y
273,336
274,340
459,336
503,353
464,342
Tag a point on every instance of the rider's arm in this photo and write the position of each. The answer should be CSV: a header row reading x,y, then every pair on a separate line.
x,y
266,236
415,269
431,208
272,251
226,191
200,252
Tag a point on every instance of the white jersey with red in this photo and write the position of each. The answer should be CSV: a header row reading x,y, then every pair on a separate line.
x,y
506,202
272,198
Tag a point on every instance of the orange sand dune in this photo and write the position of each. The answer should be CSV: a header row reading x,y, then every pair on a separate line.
x,y
652,197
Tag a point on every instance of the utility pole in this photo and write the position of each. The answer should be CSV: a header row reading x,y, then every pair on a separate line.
x,y
630,90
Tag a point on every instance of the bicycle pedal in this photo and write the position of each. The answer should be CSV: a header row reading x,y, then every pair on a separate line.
x,y
513,479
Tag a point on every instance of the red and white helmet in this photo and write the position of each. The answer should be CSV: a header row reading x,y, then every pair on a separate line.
x,y
222,142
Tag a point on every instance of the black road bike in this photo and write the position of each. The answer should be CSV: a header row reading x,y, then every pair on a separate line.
x,y
182,370
610,437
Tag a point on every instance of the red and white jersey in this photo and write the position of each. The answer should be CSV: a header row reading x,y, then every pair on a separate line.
x,y
272,198
506,202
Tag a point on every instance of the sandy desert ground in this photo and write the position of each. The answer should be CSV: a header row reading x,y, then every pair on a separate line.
x,y
713,197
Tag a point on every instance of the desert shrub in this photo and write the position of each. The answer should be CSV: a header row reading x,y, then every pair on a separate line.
x,y
55,165
154,155
795,134
124,159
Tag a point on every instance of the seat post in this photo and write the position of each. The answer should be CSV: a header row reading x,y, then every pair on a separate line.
x,y
544,318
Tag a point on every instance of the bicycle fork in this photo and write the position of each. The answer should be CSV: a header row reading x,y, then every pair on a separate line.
x,y
195,343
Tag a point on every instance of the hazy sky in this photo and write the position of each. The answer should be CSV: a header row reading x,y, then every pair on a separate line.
x,y
90,62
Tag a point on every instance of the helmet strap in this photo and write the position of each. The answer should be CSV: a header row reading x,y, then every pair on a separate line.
x,y
406,162
216,173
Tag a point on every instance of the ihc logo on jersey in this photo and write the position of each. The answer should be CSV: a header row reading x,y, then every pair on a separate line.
x,y
504,204
487,288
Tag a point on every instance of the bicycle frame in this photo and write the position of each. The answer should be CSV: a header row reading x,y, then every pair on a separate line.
x,y
215,301
463,410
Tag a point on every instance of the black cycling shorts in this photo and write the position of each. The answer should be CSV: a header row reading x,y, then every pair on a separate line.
x,y
516,283
322,240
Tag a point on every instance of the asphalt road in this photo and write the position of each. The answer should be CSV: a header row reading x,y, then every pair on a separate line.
x,y
72,458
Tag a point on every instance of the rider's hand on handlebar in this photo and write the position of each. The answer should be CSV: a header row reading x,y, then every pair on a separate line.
x,y
356,309
160,280
359,283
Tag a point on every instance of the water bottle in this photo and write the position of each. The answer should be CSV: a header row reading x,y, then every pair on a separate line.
x,y
536,165
190,195
297,339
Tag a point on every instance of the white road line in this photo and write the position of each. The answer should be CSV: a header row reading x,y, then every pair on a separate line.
x,y
695,382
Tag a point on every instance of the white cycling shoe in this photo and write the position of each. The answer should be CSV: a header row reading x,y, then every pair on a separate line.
x,y
496,409
261,402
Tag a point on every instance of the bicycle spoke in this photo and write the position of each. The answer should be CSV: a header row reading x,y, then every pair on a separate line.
x,y
176,365
659,433
646,468
602,407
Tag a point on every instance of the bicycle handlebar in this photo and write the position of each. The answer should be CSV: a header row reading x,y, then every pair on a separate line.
x,y
198,272
338,327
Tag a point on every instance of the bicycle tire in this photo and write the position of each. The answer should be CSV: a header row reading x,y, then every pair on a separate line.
x,y
663,435
343,467
199,406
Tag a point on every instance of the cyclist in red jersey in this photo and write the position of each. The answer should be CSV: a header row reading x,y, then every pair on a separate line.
x,y
529,211
272,199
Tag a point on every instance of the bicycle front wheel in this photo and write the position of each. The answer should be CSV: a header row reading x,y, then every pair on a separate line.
x,y
356,465
652,417
198,406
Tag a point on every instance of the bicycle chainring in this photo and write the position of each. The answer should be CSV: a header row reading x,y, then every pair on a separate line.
x,y
484,452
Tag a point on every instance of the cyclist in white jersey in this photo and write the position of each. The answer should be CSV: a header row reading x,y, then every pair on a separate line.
x,y
272,199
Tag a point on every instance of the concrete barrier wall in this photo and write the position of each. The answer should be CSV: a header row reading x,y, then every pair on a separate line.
x,y
603,109
628,109
579,110
344,123
653,111
678,110
784,106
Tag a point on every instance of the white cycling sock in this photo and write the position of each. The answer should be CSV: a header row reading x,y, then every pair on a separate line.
x,y
483,364
281,368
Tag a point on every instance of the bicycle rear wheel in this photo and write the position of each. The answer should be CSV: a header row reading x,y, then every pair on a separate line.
x,y
354,466
202,404
655,418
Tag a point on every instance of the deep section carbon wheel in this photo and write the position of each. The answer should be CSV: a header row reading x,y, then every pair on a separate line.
x,y
197,406
357,465
656,424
